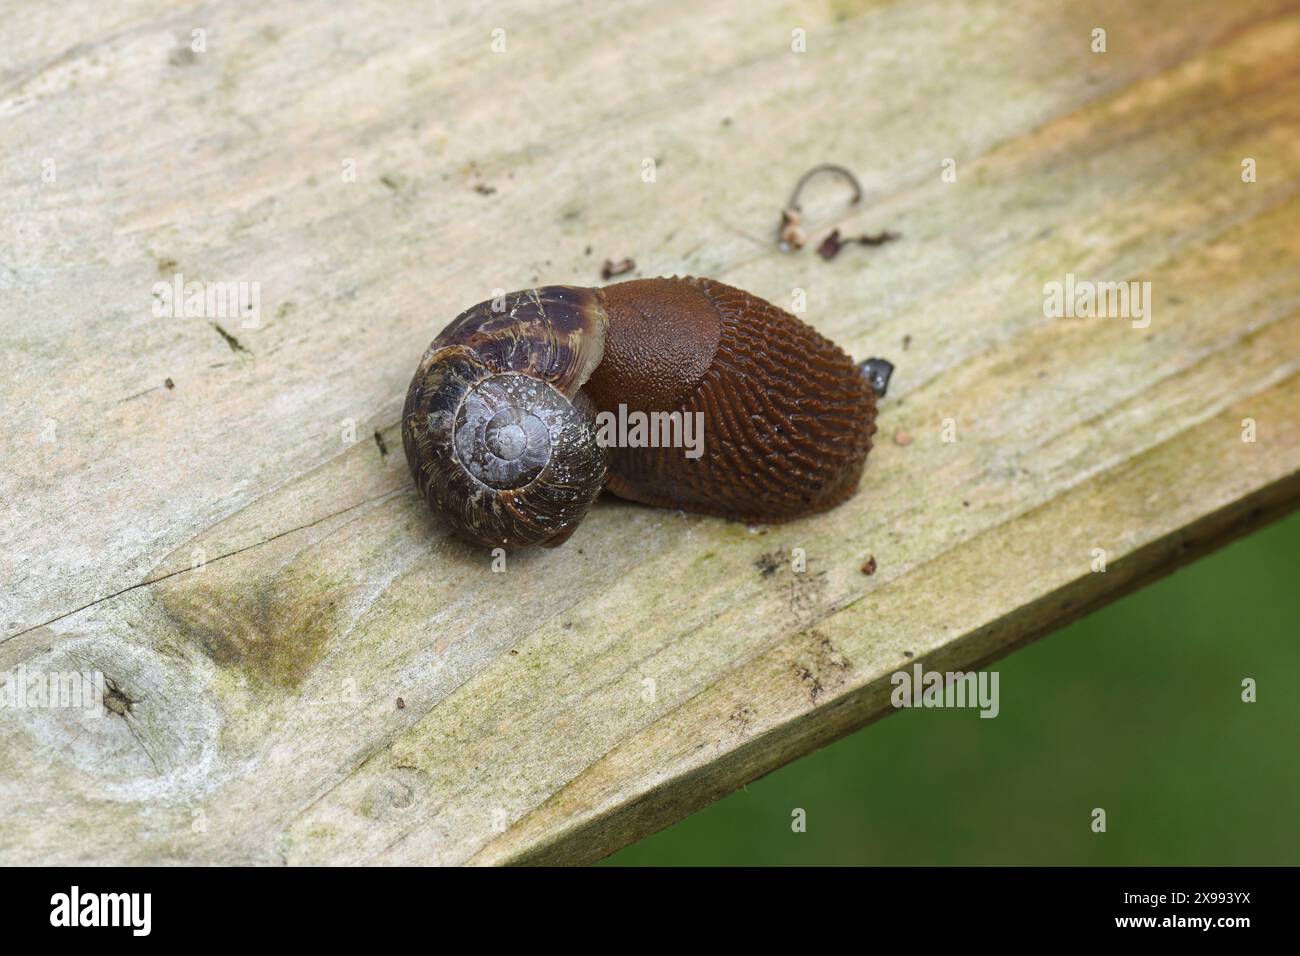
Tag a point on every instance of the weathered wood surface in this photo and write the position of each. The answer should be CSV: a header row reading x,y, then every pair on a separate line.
x,y
265,726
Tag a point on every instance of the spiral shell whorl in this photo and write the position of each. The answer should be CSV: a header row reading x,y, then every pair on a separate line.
x,y
500,441
503,429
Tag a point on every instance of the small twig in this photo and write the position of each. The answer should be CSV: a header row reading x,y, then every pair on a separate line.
x,y
790,233
825,168
879,239
833,243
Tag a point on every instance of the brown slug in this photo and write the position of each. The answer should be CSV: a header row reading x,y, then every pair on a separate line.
x,y
500,423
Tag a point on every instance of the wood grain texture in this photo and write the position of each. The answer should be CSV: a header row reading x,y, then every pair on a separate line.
x,y
264,588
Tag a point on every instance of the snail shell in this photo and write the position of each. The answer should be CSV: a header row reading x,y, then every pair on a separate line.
x,y
499,425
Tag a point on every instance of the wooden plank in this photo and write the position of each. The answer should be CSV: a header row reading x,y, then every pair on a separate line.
x,y
265,591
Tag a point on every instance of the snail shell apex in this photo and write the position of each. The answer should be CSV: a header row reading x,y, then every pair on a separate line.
x,y
499,421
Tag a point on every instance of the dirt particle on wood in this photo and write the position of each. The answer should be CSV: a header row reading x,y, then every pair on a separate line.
x,y
740,719
879,239
116,700
768,564
401,703
869,566
234,343
612,268
823,668
907,340
483,189
830,246
383,448
169,383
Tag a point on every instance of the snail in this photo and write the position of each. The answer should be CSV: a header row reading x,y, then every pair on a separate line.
x,y
500,421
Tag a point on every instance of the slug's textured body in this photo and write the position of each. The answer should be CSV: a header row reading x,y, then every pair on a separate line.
x,y
499,424
788,418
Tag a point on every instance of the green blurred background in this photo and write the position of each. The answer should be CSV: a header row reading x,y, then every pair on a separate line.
x,y
1136,709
